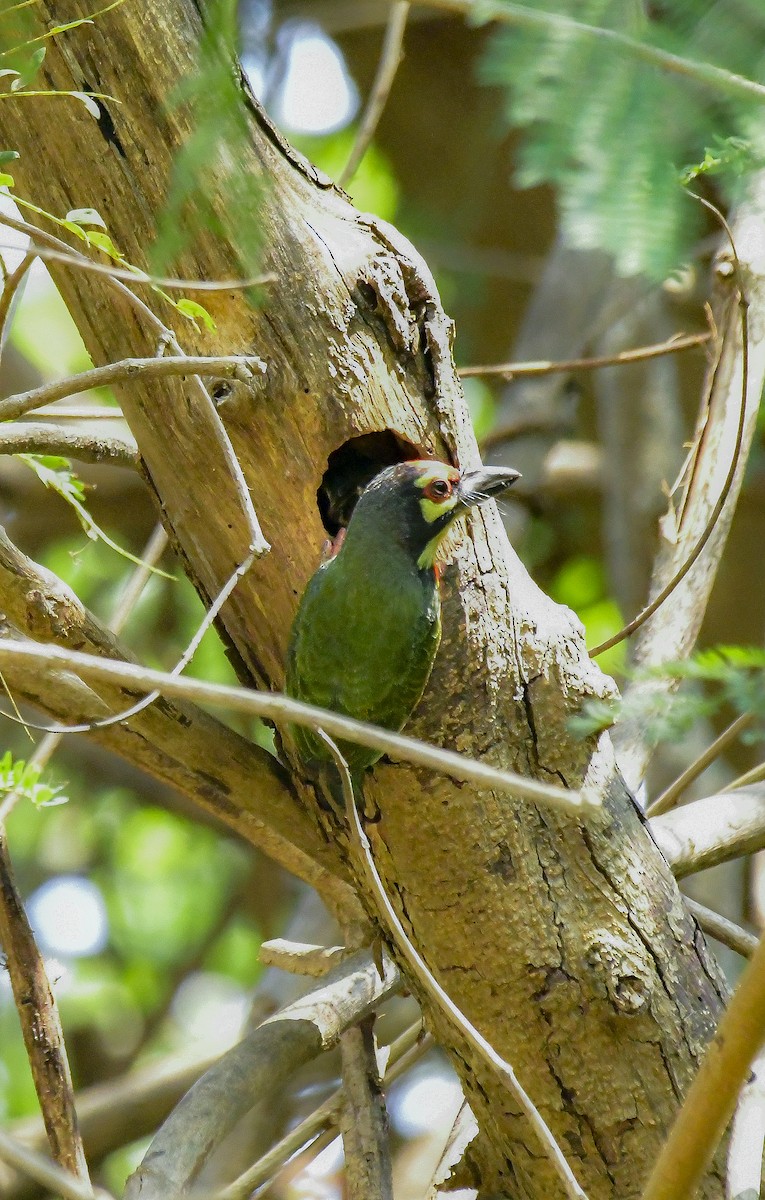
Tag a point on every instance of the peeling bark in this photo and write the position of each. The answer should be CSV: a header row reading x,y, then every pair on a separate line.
x,y
567,946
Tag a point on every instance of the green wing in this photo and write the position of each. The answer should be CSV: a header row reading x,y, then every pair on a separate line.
x,y
363,647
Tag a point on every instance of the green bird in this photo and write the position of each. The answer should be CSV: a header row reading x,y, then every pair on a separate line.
x,y
369,622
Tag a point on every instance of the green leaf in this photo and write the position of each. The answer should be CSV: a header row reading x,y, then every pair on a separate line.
x,y
73,227
70,25
16,775
102,241
57,474
732,154
192,310
86,216
29,69
7,181
8,155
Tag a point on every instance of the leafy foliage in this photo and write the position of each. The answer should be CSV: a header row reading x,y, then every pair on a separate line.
x,y
723,677
597,124
22,777
89,226
731,154
210,162
56,473
19,80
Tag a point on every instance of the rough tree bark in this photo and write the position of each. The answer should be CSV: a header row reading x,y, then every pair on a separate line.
x,y
567,946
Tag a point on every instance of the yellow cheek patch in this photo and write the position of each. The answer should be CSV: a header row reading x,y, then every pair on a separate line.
x,y
434,547
433,509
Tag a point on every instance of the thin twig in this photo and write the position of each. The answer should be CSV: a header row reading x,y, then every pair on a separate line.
x,y
206,623
153,551
525,370
178,743
670,796
709,1103
404,1052
74,258
41,1026
30,437
283,708
755,775
716,78
230,366
136,275
138,579
438,996
261,1063
719,927
45,1171
35,1000
709,528
390,57
233,474
10,288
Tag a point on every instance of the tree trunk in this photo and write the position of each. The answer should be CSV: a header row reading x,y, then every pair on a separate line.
x,y
566,944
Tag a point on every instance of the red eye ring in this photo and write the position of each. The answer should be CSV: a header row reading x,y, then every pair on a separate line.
x,y
438,489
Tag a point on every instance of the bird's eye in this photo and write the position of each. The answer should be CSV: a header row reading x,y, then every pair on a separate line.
x,y
439,489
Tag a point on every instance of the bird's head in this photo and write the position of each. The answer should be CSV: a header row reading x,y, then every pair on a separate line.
x,y
415,503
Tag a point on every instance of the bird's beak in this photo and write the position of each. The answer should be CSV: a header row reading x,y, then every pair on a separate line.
x,y
475,487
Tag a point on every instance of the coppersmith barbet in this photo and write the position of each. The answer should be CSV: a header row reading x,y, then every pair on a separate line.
x,y
369,623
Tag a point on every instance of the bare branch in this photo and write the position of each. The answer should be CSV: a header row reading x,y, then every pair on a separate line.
x,y
260,1064
673,630
30,437
217,768
363,1120
712,830
134,274
390,57
299,958
436,994
202,409
46,1171
524,370
752,776
138,579
698,547
41,1026
720,927
670,796
403,1053
125,1108
709,1103
283,708
230,366
11,287
153,551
